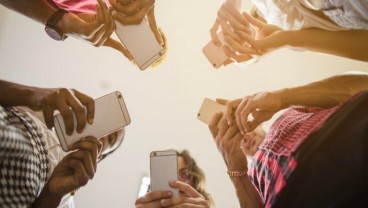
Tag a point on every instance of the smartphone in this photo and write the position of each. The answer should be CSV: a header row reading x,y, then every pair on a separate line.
x,y
215,54
111,115
163,168
209,108
141,43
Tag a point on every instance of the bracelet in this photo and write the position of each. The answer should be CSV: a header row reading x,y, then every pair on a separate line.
x,y
236,173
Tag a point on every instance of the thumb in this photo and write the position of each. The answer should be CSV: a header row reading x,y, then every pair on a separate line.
x,y
118,46
152,23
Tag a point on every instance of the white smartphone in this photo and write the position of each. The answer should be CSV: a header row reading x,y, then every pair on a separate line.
x,y
164,168
141,43
111,115
215,54
208,109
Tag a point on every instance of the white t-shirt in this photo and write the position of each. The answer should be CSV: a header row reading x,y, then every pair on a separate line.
x,y
294,14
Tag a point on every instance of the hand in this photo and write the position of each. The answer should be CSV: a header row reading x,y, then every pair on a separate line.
x,y
261,106
264,39
229,18
228,140
66,102
75,169
193,198
93,28
152,199
133,12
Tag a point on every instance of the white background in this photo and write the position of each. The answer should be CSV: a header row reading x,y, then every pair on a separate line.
x,y
162,102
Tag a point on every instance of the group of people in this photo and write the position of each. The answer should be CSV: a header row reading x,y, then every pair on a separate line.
x,y
313,155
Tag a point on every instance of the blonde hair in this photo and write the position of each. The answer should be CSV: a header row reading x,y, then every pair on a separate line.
x,y
164,45
198,177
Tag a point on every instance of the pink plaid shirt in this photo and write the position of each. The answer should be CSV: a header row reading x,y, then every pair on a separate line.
x,y
273,163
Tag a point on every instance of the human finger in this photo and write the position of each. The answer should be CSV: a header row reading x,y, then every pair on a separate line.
x,y
213,32
88,103
85,159
133,7
221,101
80,174
253,21
236,46
237,57
136,18
79,112
223,128
91,145
186,188
235,19
227,31
153,196
231,107
213,125
118,46
238,114
235,12
152,23
243,114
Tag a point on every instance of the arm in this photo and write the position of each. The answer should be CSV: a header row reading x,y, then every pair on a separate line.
x,y
245,192
94,28
38,10
228,139
73,172
351,44
325,93
48,100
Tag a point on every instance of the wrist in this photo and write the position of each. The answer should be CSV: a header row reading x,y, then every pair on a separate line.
x,y
52,26
47,199
65,23
285,96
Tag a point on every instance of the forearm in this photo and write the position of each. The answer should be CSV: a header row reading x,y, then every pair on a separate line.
x,y
46,199
325,93
246,193
351,44
12,94
38,10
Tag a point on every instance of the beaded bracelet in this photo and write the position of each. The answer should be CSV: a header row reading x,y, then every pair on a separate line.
x,y
236,173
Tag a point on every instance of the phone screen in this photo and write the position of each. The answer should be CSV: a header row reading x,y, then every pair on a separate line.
x,y
163,168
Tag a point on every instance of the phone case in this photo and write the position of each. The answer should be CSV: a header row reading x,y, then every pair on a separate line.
x,y
215,54
208,109
141,43
111,115
163,168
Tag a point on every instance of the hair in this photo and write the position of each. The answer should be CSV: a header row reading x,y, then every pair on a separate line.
x,y
164,45
198,177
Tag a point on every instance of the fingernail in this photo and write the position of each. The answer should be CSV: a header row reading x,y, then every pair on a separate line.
x,y
90,120
169,193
